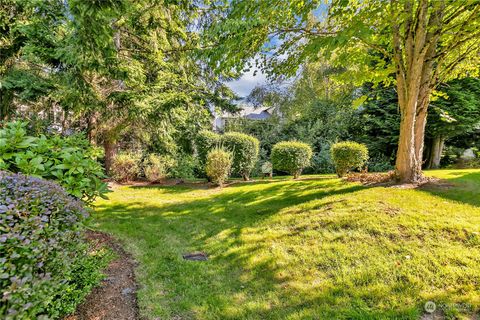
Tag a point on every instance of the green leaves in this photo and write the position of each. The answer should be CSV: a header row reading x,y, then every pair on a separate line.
x,y
70,161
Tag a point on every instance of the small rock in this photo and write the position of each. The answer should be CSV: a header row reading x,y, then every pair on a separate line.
x,y
127,291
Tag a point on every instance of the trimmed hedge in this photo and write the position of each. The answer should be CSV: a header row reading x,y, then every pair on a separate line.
x,y
219,163
244,149
70,161
45,265
348,155
291,157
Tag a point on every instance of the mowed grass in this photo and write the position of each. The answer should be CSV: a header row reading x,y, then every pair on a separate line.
x,y
318,248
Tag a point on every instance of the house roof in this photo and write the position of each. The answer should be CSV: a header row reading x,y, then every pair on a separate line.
x,y
251,112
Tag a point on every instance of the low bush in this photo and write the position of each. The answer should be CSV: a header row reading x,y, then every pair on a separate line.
x,y
218,166
204,142
244,149
348,155
46,267
291,157
156,168
70,161
186,167
125,167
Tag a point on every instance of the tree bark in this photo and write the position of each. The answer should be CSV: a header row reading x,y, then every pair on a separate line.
x,y
92,128
436,152
110,148
414,53
406,164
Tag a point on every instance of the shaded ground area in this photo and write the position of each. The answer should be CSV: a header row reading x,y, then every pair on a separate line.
x,y
319,248
115,298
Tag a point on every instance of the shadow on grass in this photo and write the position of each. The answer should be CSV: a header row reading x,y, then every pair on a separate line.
x,y
233,284
197,224
465,187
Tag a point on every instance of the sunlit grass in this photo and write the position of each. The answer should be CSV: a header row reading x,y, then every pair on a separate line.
x,y
312,249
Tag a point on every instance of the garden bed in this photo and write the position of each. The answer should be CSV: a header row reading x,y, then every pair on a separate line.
x,y
115,297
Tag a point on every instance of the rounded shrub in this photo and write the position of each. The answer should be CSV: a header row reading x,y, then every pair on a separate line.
x,y
46,267
218,166
125,167
204,142
348,155
291,157
244,149
156,168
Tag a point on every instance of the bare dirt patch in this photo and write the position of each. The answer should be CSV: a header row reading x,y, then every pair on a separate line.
x,y
115,298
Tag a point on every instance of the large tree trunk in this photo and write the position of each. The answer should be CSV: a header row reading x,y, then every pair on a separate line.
x,y
414,45
436,152
406,163
110,148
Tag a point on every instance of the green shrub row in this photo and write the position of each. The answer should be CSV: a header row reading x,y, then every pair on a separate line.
x,y
130,166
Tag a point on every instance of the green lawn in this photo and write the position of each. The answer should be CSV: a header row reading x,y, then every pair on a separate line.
x,y
318,248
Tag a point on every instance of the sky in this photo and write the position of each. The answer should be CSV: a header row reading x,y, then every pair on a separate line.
x,y
247,82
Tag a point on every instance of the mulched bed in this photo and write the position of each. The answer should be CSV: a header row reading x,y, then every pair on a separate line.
x,y
115,298
387,179
372,178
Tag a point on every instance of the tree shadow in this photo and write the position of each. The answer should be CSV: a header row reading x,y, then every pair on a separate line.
x,y
465,187
239,272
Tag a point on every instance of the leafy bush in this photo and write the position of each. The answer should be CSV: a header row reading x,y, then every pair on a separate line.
x,y
186,167
125,167
348,155
322,161
219,163
379,164
205,141
157,167
244,149
291,157
46,268
69,160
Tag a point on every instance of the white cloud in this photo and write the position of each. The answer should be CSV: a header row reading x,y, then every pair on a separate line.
x,y
247,82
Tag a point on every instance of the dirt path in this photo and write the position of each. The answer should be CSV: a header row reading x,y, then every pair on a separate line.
x,y
115,298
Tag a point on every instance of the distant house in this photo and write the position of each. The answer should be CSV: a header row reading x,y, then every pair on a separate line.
x,y
247,112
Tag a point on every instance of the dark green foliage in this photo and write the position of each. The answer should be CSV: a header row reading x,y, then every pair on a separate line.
x,y
244,149
348,155
378,123
186,167
205,141
69,160
454,112
46,268
457,110
291,157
